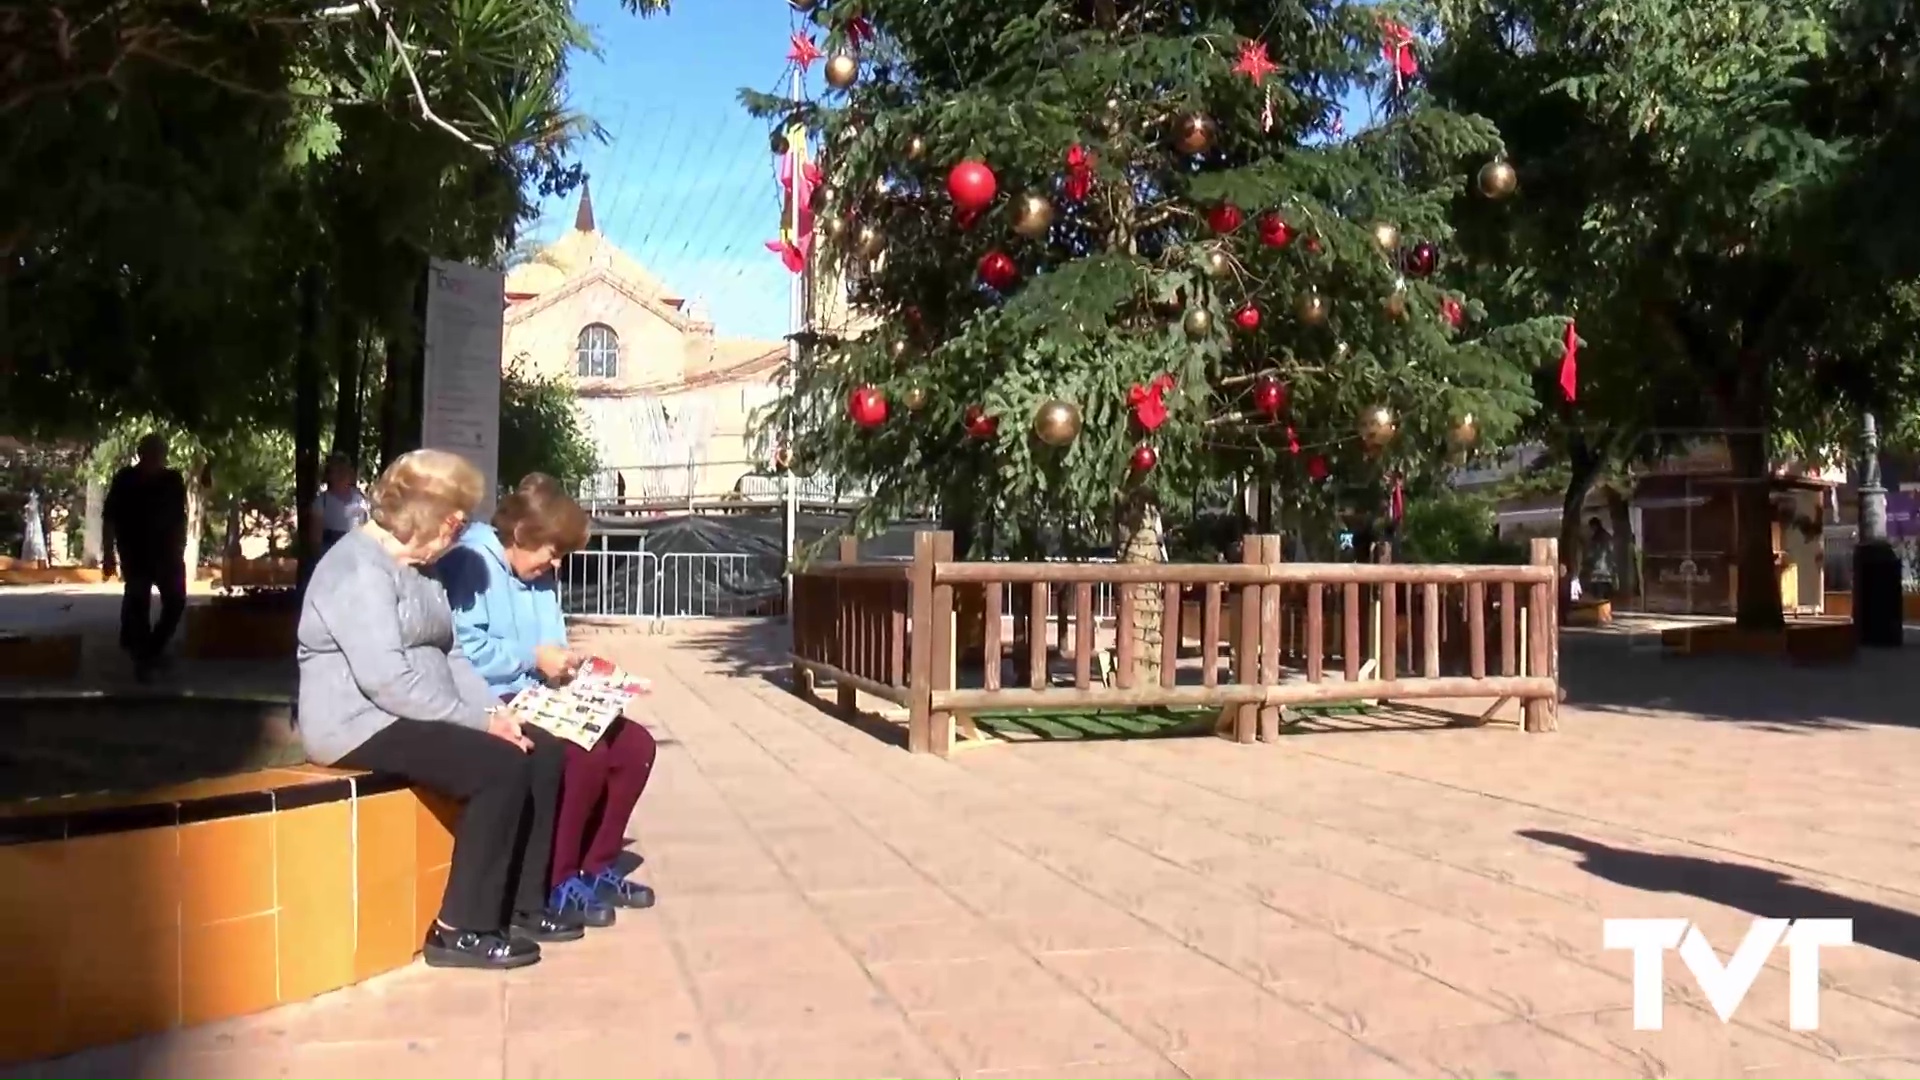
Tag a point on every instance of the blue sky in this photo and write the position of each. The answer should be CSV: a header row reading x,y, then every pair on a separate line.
x,y
684,182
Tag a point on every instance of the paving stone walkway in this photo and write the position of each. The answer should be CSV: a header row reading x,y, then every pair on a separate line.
x,y
1366,902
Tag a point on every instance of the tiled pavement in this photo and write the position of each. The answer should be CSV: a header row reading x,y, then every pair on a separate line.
x,y
1352,903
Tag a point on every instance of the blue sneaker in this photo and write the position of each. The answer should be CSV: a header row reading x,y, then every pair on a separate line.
x,y
618,891
575,897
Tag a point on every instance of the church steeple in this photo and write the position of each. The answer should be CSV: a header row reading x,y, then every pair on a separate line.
x,y
583,217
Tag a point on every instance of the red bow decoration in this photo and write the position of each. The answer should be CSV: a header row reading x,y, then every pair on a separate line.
x,y
803,51
1397,46
793,255
1079,173
1149,404
1570,362
1397,502
859,30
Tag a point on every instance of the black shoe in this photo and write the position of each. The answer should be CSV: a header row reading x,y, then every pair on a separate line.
x,y
476,949
549,926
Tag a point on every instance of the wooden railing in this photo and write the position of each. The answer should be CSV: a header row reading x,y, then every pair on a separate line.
x,y
1313,633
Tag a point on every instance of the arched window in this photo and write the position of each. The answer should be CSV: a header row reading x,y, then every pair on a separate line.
x,y
597,355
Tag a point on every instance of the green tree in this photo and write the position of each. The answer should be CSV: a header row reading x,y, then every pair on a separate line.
x,y
1114,293
1685,171
540,431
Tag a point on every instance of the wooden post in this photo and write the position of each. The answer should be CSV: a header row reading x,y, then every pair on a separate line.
x,y
920,650
844,694
1037,636
1246,652
1542,714
940,724
1270,715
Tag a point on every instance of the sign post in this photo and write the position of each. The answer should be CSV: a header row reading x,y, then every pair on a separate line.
x,y
466,312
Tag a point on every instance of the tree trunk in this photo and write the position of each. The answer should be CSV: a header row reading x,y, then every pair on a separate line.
x,y
1757,604
196,520
400,404
307,385
1142,540
90,544
349,352
1584,470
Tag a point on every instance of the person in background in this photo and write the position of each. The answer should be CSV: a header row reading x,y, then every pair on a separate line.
x,y
144,538
506,606
384,687
1597,575
339,508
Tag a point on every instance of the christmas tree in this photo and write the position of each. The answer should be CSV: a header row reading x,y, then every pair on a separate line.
x,y
1117,258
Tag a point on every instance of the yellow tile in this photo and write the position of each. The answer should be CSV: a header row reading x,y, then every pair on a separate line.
x,y
227,969
433,844
119,981
30,998
226,869
316,951
33,887
313,858
385,844
386,926
130,877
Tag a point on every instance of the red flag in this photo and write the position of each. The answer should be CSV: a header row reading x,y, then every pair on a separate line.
x,y
1570,363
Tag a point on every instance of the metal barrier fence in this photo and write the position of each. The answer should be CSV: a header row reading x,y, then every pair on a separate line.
x,y
678,585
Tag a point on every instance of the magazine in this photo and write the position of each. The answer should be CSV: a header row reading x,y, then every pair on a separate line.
x,y
582,710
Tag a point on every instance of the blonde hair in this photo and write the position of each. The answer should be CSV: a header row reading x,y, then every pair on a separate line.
x,y
421,490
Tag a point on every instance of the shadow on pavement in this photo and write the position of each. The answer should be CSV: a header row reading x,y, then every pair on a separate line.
x,y
1753,889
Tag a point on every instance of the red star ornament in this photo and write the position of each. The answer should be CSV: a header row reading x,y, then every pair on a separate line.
x,y
1254,62
803,51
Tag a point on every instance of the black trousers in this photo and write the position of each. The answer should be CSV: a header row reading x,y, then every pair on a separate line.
x,y
504,840
146,641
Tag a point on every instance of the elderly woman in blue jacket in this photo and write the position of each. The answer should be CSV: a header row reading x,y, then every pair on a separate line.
x,y
500,579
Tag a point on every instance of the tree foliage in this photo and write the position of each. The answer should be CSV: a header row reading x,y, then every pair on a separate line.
x,y
1101,300
540,431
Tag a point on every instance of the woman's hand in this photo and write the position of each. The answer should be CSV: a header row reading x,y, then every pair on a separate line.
x,y
503,724
554,663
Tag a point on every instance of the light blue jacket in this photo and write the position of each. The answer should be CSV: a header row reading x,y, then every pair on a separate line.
x,y
499,619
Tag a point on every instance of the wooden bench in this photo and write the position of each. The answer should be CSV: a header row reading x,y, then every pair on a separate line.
x,y
210,900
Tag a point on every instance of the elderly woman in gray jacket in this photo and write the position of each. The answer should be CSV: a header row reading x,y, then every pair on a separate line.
x,y
383,687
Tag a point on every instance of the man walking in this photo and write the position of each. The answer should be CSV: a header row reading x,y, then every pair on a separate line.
x,y
145,521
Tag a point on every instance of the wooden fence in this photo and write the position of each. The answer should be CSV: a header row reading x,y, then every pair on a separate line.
x,y
1314,633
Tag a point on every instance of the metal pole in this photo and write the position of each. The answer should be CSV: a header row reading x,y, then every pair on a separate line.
x,y
797,323
1877,614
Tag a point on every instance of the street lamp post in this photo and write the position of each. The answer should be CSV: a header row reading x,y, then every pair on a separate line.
x,y
1877,615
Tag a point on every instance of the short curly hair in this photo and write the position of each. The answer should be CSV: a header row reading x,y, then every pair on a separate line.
x,y
421,490
540,513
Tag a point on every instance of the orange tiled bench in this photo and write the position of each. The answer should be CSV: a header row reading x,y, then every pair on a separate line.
x,y
123,917
45,656
1809,641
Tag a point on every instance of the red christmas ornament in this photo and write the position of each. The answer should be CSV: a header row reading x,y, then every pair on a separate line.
x,y
1149,402
1247,318
998,271
1423,260
979,424
972,186
1316,468
1313,245
1079,173
1224,217
1270,397
1144,459
1453,311
868,406
1274,231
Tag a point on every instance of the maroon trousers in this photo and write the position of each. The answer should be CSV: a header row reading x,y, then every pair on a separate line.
x,y
597,796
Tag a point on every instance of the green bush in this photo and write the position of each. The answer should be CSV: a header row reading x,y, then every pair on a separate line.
x,y
1454,528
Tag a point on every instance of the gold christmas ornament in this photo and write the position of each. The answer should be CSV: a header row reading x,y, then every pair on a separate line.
x,y
1377,426
1033,216
836,227
869,242
1312,309
1056,422
1464,432
1193,133
1396,305
842,70
1198,323
1387,235
916,148
1497,179
914,398
1218,265
824,197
